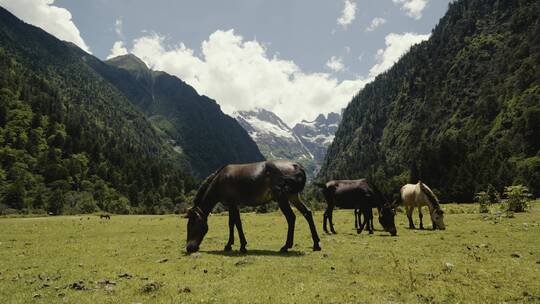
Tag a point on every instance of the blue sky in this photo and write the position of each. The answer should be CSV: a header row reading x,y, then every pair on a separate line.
x,y
297,58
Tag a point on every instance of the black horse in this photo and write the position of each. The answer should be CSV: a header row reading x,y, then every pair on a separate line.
x,y
361,196
249,185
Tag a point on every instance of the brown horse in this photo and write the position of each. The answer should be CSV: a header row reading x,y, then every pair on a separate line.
x,y
359,195
249,185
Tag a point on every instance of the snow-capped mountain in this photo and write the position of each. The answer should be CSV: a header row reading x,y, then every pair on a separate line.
x,y
274,138
317,135
306,142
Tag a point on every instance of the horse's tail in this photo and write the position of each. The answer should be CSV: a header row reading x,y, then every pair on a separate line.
x,y
430,195
203,188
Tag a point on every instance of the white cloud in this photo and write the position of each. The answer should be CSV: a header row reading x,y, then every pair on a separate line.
x,y
375,23
42,13
240,75
348,14
413,8
335,64
118,49
396,46
118,27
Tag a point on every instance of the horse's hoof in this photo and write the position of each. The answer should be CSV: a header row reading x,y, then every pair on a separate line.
x,y
227,248
243,250
334,232
284,249
422,228
371,232
358,231
316,247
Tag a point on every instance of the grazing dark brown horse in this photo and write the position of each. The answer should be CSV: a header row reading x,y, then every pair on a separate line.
x,y
249,185
359,195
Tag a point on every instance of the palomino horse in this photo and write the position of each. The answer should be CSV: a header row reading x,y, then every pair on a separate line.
x,y
249,185
357,194
418,195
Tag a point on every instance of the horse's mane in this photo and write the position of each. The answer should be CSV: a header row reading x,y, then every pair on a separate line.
x,y
378,193
201,192
430,195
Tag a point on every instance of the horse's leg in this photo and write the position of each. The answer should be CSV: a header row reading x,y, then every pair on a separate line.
x,y
291,218
295,199
238,223
362,212
357,220
330,219
232,221
420,215
409,216
370,220
325,219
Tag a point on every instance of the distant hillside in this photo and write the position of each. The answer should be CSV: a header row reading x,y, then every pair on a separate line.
x,y
459,111
70,141
198,127
306,142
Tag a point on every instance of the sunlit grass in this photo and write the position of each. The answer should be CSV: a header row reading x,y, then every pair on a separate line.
x,y
141,259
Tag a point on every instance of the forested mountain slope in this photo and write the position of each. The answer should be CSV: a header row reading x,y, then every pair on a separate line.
x,y
459,111
70,141
208,137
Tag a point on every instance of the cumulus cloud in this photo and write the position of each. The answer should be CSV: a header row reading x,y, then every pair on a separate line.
x,y
335,64
413,8
118,49
396,46
241,75
53,19
348,14
375,23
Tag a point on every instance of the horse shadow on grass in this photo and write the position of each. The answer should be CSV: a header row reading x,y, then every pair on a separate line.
x,y
256,252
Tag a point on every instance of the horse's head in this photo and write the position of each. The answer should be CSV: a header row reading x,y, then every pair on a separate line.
x,y
386,219
197,227
437,217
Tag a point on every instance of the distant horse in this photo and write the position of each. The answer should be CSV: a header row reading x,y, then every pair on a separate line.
x,y
359,195
249,185
105,216
418,195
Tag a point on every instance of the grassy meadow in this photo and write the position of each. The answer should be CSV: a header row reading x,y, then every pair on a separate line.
x,y
141,259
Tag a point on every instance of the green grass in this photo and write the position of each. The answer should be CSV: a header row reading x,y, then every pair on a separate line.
x,y
41,258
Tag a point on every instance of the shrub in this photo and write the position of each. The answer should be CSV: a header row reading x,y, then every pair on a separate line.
x,y
483,201
119,206
517,198
492,195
